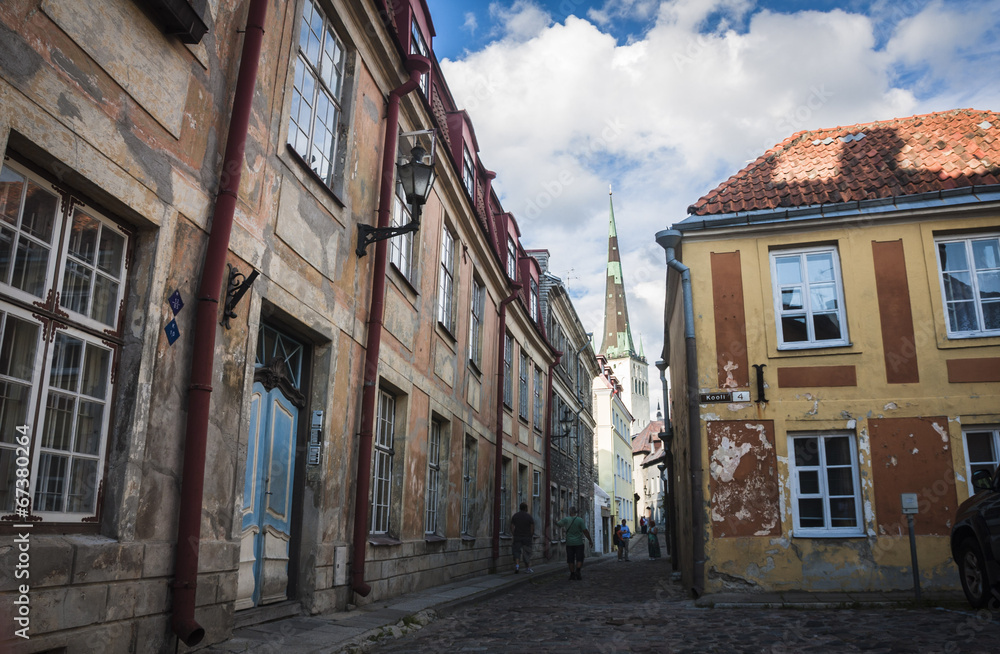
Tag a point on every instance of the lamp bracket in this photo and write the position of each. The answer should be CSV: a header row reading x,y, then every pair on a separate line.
x,y
238,286
368,234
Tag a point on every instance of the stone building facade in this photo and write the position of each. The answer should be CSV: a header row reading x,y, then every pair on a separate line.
x,y
131,177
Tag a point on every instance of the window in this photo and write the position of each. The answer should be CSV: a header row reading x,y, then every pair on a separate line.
x,y
556,511
446,285
808,298
970,285
385,425
522,386
536,493
505,497
522,484
537,414
433,478
468,484
508,370
534,300
419,46
511,258
476,323
62,281
315,117
825,496
468,173
982,451
401,247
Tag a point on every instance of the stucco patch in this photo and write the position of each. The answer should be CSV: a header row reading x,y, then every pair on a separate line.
x,y
726,459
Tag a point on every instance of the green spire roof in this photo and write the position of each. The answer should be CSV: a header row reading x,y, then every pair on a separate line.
x,y
617,334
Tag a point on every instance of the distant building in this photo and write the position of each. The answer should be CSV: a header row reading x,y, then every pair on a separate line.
x,y
845,296
647,455
613,445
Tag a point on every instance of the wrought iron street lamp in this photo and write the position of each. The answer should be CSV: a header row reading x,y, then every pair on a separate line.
x,y
416,177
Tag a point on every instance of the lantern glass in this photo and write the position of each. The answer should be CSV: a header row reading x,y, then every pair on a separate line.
x,y
416,176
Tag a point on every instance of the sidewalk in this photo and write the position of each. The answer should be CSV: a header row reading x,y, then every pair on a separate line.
x,y
365,626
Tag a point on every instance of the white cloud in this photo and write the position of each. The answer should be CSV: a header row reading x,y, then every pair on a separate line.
x,y
667,117
470,23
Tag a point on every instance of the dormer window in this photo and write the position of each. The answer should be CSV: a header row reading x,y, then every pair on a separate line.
x,y
419,46
468,173
511,258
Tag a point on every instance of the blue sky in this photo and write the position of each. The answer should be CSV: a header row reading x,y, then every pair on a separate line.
x,y
665,99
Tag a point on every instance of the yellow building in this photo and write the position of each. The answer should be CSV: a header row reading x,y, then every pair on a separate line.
x,y
613,445
846,351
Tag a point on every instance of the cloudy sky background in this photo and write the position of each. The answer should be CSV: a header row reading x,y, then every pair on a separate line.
x,y
665,99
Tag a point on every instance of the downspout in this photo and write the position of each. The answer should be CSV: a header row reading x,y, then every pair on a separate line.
x,y
498,464
203,347
416,66
669,239
546,534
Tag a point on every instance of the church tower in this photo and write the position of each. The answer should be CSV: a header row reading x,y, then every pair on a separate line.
x,y
628,364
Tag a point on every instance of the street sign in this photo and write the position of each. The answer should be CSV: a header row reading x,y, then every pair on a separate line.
x,y
715,397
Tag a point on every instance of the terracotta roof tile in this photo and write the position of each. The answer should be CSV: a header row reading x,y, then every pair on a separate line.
x,y
884,159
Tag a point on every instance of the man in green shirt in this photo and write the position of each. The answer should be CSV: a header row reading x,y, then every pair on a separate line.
x,y
576,529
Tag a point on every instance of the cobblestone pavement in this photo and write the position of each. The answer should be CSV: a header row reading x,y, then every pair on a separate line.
x,y
634,607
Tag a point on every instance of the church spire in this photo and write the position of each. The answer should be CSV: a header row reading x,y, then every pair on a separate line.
x,y
617,334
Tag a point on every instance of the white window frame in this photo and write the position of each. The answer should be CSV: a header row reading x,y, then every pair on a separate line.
x,y
807,311
48,377
401,247
511,258
418,45
536,492
522,385
534,300
468,172
975,273
993,434
537,414
382,463
431,525
446,282
823,494
476,305
508,369
505,514
321,57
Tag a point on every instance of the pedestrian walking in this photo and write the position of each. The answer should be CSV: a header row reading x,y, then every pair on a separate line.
x,y
653,541
576,529
625,536
524,533
642,524
617,540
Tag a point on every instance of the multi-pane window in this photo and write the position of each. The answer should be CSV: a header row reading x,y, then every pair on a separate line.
x,y
534,300
808,298
536,492
433,478
537,414
468,484
317,90
511,258
522,386
468,172
508,370
62,279
419,46
385,427
505,496
522,484
446,283
476,323
970,284
825,496
982,451
401,247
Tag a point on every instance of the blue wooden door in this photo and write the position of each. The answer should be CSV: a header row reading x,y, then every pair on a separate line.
x,y
267,496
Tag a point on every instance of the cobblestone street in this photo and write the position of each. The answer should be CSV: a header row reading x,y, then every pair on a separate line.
x,y
634,607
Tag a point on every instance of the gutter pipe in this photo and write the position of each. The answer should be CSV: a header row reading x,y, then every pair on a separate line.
x,y
185,581
669,239
498,464
667,438
416,66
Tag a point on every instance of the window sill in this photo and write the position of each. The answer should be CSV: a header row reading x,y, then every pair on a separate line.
x,y
828,534
474,367
446,334
466,538
506,537
312,174
817,350
434,538
383,541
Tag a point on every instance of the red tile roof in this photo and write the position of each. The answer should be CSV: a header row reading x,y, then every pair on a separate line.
x,y
643,441
885,159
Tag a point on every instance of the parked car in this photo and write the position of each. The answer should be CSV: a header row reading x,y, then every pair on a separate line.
x,y
975,541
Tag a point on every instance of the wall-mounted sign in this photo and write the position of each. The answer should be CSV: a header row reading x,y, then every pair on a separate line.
x,y
909,502
705,398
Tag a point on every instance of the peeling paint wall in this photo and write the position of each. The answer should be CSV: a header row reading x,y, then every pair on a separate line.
x,y
743,472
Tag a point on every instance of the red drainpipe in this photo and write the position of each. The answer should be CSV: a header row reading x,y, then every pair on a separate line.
x,y
498,465
202,360
416,65
548,458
